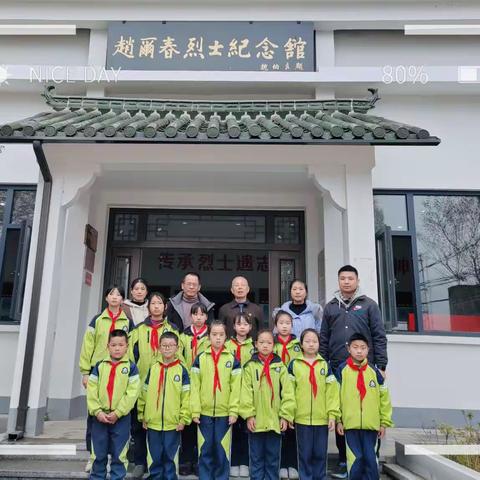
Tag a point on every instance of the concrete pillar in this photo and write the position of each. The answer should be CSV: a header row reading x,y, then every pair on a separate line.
x,y
359,230
65,395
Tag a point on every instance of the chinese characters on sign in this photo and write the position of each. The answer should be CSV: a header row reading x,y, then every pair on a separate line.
x,y
213,262
264,46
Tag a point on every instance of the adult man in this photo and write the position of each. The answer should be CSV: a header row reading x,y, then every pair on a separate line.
x,y
351,312
241,304
179,306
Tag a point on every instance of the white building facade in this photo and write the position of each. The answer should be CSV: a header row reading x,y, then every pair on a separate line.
x,y
407,216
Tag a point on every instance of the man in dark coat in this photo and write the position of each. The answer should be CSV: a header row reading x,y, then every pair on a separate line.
x,y
347,313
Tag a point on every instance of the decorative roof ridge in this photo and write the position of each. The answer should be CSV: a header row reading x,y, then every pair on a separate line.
x,y
60,102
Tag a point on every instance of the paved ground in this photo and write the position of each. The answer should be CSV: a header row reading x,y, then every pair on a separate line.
x,y
73,432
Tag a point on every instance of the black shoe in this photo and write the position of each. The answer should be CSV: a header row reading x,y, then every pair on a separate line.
x,y
340,471
185,469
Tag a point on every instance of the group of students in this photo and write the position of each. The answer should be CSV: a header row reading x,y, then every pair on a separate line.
x,y
195,390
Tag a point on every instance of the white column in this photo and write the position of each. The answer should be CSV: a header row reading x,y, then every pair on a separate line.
x,y
334,248
97,53
359,236
65,396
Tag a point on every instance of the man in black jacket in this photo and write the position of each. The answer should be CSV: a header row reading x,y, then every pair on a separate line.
x,y
351,312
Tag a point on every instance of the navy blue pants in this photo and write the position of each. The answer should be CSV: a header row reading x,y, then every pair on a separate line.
x,y
88,433
139,435
214,442
239,443
113,440
264,450
312,441
163,454
361,457
289,449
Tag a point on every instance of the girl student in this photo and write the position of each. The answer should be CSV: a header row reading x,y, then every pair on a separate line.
x,y
241,345
318,406
193,341
145,351
268,405
136,307
95,341
287,347
214,400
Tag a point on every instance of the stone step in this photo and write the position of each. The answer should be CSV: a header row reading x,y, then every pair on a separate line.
x,y
399,473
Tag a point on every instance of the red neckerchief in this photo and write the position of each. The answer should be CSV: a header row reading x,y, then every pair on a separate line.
x,y
312,378
154,337
360,379
111,381
216,377
285,353
266,370
161,377
238,353
114,318
196,334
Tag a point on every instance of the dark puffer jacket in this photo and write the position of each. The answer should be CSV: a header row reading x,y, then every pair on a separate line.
x,y
341,321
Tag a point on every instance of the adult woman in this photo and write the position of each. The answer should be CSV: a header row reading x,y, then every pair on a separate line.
x,y
136,307
305,314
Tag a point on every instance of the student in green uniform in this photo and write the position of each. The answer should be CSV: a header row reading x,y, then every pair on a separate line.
x,y
193,341
164,409
268,404
112,390
318,406
287,347
145,351
241,345
95,341
216,376
366,409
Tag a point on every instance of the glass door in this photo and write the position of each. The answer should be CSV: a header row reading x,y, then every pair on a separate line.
x,y
386,278
125,266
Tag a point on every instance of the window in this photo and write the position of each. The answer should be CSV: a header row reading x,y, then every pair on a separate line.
x,y
432,241
390,211
16,217
448,244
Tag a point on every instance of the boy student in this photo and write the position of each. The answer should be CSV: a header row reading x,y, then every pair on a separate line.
x,y
241,345
318,406
193,341
366,409
144,351
164,409
95,340
267,404
287,347
112,390
216,376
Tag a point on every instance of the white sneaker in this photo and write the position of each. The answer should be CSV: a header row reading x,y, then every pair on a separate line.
x,y
234,471
88,467
244,471
283,473
292,474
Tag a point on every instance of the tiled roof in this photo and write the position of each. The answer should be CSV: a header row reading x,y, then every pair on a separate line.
x,y
86,119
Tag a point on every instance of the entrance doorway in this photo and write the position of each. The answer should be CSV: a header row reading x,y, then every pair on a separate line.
x,y
163,245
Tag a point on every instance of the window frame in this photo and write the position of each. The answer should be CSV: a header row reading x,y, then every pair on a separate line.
x,y
7,225
412,233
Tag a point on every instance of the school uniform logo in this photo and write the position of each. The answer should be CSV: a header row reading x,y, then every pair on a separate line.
x,y
176,378
372,384
277,369
125,328
322,371
228,364
124,370
296,348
